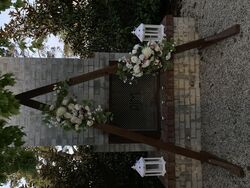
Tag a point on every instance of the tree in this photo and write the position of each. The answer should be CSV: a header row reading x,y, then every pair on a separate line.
x,y
85,26
85,168
13,157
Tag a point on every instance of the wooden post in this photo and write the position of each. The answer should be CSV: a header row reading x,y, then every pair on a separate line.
x,y
201,156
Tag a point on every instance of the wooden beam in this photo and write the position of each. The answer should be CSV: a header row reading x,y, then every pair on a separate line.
x,y
201,156
33,104
72,81
207,41
140,138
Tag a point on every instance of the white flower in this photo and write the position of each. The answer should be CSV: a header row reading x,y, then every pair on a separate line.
x,y
77,106
157,48
54,87
151,43
52,107
99,108
146,64
141,57
147,52
65,101
71,106
136,46
134,59
157,61
74,112
87,108
168,57
76,127
76,120
136,69
90,123
67,115
58,119
129,66
60,111
134,51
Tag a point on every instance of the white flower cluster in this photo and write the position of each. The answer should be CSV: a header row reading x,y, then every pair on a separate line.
x,y
75,115
145,59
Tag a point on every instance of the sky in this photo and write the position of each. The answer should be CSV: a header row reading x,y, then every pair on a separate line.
x,y
52,40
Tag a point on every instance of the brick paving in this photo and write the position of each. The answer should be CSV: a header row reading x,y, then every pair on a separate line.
x,y
183,83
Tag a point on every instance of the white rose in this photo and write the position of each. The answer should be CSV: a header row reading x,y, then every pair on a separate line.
x,y
77,107
136,46
60,111
67,115
134,51
129,66
136,69
65,101
168,57
52,107
90,123
71,106
147,52
58,119
146,64
157,48
76,127
87,108
76,120
141,57
134,59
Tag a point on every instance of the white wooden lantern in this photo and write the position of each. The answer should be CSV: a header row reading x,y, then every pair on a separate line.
x,y
147,32
154,166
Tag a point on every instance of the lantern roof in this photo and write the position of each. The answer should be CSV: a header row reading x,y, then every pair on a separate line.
x,y
139,32
140,167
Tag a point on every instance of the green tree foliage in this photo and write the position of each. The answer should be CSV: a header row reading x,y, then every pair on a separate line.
x,y
87,169
8,103
85,26
13,157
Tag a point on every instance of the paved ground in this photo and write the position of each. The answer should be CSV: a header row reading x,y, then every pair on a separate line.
x,y
225,88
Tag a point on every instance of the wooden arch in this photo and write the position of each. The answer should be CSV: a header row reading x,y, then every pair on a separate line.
x,y
25,98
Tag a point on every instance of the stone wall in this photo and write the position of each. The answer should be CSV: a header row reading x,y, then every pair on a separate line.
x,y
36,72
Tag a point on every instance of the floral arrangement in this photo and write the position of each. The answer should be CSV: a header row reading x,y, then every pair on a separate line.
x,y
145,59
69,114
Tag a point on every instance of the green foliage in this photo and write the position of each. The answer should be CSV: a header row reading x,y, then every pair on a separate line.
x,y
13,157
5,4
8,103
86,168
85,26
